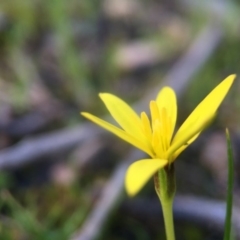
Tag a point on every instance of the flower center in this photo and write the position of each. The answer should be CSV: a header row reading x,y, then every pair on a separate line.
x,y
158,131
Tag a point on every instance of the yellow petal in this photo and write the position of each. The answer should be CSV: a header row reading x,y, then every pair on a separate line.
x,y
154,112
206,108
188,137
119,132
139,173
183,147
167,99
124,115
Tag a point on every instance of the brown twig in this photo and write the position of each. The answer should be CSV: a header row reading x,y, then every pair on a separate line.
x,y
111,194
34,148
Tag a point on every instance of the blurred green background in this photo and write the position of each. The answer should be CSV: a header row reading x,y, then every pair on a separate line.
x,y
55,57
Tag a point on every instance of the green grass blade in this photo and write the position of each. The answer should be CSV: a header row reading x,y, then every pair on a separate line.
x,y
227,228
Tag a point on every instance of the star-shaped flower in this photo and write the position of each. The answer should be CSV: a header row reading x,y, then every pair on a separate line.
x,y
156,136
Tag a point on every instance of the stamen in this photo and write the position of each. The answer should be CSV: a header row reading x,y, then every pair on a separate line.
x,y
146,125
154,112
156,141
162,130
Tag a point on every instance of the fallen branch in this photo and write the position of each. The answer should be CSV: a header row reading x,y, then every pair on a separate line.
x,y
112,193
32,149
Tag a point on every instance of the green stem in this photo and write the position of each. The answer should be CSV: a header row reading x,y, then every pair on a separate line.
x,y
168,219
165,186
228,224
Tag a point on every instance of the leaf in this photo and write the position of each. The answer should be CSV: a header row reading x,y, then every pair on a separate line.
x,y
227,228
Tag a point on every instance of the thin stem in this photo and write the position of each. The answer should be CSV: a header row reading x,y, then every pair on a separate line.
x,y
165,186
168,219
229,206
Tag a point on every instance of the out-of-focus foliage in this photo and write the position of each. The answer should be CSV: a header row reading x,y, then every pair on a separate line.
x,y
55,57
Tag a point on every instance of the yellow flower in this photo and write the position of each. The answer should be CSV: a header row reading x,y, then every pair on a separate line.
x,y
155,136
